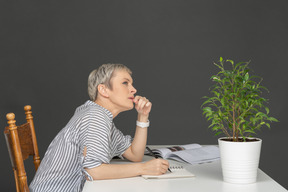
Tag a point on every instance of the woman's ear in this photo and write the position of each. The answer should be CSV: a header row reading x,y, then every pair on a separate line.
x,y
102,90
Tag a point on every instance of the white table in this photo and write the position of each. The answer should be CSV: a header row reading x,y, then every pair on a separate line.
x,y
208,179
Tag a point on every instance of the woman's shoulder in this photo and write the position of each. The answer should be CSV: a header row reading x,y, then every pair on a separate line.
x,y
88,107
92,111
92,107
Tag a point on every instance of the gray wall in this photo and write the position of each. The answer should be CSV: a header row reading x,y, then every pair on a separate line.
x,y
48,48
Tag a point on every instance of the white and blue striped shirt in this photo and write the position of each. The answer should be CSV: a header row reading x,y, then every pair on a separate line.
x,y
62,168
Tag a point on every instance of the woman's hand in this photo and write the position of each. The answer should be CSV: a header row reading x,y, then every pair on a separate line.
x,y
155,167
142,105
116,171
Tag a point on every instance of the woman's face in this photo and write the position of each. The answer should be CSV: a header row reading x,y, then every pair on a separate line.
x,y
122,92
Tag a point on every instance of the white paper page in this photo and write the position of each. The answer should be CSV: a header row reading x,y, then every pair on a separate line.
x,y
199,155
164,152
177,172
191,146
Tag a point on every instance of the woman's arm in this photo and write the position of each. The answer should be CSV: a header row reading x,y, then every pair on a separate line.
x,y
136,151
117,171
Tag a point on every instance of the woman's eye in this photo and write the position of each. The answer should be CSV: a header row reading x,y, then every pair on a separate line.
x,y
125,83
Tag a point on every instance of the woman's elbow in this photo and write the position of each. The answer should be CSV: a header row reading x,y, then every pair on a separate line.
x,y
97,172
137,158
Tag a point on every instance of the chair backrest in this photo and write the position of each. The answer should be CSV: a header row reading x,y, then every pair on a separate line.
x,y
21,142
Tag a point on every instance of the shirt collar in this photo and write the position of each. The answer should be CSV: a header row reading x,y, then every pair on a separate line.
x,y
106,111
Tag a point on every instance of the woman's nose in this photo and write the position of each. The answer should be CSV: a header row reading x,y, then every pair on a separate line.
x,y
133,90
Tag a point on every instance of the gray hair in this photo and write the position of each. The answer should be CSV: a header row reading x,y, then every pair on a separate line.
x,y
103,75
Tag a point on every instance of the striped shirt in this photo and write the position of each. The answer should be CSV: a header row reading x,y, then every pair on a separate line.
x,y
62,168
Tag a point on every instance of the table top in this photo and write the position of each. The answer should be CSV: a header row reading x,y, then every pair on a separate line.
x,y
208,178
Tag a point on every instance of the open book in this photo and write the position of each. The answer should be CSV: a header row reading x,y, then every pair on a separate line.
x,y
191,153
177,172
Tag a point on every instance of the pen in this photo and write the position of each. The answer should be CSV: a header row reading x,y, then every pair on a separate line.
x,y
155,156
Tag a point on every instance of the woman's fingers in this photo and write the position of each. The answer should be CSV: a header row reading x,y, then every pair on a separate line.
x,y
148,104
156,167
136,99
142,104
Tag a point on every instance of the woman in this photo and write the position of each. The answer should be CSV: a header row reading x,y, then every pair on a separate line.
x,y
84,147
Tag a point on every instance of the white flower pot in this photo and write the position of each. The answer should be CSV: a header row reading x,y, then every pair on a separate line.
x,y
240,160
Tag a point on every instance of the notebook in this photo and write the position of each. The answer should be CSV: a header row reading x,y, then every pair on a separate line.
x,y
177,172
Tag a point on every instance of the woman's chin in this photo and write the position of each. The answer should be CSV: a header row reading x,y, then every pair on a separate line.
x,y
131,107
128,108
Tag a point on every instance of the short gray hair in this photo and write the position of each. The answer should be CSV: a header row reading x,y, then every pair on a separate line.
x,y
103,75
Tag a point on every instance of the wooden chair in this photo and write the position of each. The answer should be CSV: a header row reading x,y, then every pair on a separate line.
x,y
21,142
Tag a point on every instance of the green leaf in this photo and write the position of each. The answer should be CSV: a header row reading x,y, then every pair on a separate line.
x,y
215,128
246,77
210,118
273,119
244,138
250,131
259,114
218,66
216,93
222,100
207,109
262,87
267,110
218,133
232,62
208,101
240,63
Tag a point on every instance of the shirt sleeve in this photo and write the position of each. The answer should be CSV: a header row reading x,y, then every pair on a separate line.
x,y
123,142
96,139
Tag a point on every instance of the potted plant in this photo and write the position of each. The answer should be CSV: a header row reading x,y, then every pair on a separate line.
x,y
237,110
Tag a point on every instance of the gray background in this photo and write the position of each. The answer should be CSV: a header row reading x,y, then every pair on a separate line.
x,y
48,48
